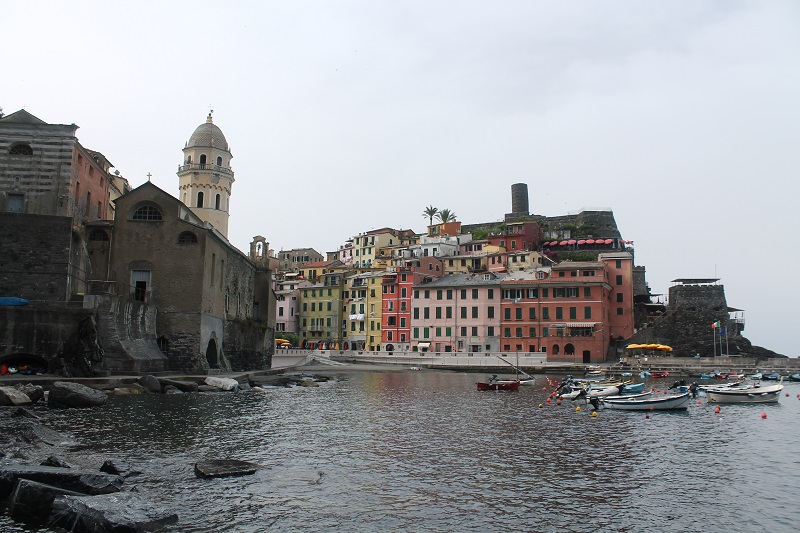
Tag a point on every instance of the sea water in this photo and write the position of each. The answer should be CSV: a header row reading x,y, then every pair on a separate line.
x,y
425,451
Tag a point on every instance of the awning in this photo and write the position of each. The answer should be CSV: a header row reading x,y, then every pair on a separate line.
x,y
563,243
582,241
424,345
589,241
581,324
609,241
571,241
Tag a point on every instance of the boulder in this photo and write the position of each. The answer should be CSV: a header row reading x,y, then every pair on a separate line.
x,y
32,501
21,411
224,468
13,396
183,386
39,434
151,383
78,480
55,460
119,468
68,394
120,512
133,388
34,392
222,383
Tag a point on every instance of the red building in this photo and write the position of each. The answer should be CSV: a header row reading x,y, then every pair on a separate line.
x,y
398,291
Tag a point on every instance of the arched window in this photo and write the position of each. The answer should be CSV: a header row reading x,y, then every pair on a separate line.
x,y
98,235
163,345
21,149
189,159
216,202
200,199
187,237
202,159
219,161
555,349
569,349
147,212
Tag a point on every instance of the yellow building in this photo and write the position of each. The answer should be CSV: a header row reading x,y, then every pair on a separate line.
x,y
362,307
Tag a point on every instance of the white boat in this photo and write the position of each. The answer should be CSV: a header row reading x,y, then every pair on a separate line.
x,y
600,392
678,401
637,396
746,394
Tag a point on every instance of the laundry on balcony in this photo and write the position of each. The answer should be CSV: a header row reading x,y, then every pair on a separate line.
x,y
357,317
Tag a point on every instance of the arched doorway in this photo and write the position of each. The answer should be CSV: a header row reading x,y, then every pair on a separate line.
x,y
555,349
569,349
211,354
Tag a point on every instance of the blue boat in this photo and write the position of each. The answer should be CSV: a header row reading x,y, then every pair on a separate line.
x,y
757,376
772,377
794,377
12,301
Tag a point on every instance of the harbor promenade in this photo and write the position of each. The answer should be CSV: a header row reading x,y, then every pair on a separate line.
x,y
535,363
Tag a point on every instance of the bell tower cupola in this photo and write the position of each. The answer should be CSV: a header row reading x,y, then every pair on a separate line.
x,y
205,177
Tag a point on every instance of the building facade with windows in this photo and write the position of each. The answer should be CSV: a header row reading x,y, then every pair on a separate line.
x,y
287,296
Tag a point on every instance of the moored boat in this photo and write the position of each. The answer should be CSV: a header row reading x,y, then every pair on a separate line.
x,y
772,377
745,394
12,301
663,403
498,384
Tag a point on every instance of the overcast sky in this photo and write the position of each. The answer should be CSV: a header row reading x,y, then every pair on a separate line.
x,y
682,116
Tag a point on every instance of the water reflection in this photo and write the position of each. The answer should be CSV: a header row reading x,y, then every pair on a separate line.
x,y
425,451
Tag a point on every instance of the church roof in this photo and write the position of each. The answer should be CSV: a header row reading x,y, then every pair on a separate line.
x,y
22,117
208,134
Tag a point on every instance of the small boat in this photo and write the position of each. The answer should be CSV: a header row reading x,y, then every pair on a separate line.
x,y
659,374
772,377
757,376
631,388
644,374
12,301
639,396
794,377
708,376
677,401
745,394
498,384
600,392
626,374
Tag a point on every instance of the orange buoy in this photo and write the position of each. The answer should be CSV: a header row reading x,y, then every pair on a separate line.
x,y
764,415
548,400
717,410
699,402
558,402
647,416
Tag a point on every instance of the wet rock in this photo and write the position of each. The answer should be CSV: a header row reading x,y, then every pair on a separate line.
x,y
207,388
171,389
39,434
120,512
55,460
224,468
67,394
151,383
222,383
34,392
25,413
13,396
32,501
183,386
309,383
119,468
78,480
133,388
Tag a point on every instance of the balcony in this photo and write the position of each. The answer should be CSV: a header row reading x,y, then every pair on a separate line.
x,y
205,168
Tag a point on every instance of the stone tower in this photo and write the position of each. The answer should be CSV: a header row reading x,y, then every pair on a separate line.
x,y
205,177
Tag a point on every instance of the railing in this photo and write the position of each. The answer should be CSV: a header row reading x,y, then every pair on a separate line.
x,y
206,166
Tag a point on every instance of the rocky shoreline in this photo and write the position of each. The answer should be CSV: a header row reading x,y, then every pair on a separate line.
x,y
44,485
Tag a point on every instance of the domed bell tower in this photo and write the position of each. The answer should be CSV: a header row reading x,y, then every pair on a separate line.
x,y
205,177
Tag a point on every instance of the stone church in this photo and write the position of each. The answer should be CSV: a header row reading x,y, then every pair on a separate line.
x,y
214,304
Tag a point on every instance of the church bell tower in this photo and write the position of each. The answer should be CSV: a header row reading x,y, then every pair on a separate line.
x,y
205,178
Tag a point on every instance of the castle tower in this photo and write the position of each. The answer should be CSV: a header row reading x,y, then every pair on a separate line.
x,y
519,201
205,178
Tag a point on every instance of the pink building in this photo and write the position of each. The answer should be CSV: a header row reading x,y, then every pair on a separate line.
x,y
287,294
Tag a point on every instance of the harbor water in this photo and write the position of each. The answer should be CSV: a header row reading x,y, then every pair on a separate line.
x,y
425,451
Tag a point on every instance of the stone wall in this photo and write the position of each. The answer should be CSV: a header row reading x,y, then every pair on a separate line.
x,y
37,257
686,325
248,346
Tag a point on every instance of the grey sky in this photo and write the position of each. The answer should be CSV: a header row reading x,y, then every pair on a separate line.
x,y
348,116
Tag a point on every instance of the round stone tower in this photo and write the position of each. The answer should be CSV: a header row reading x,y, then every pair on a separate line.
x,y
205,177
519,198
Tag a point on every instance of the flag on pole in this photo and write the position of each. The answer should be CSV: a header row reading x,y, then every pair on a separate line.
x,y
715,325
723,331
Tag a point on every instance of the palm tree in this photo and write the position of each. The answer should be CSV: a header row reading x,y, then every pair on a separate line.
x,y
446,216
429,212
